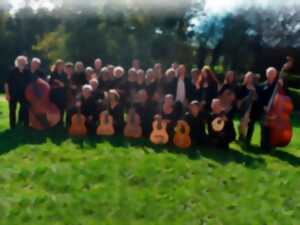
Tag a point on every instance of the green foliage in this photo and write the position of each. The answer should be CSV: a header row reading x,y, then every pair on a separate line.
x,y
52,46
47,178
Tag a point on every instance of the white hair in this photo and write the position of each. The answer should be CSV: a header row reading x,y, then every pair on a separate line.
x,y
271,69
89,69
87,87
94,80
37,60
118,69
20,57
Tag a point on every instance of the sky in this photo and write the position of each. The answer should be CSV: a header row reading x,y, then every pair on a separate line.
x,y
211,6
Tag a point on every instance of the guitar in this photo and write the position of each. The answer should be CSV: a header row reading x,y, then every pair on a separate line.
x,y
106,127
133,128
182,137
159,133
245,120
78,127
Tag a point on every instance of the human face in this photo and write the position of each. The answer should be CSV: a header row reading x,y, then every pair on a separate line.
x,y
271,75
181,71
98,64
169,101
34,66
86,93
195,109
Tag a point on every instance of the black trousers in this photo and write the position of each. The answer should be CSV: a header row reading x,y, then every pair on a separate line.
x,y
265,138
23,115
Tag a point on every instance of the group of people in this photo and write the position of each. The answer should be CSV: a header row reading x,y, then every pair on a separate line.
x,y
197,97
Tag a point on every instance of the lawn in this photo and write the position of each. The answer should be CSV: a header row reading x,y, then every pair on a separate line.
x,y
50,179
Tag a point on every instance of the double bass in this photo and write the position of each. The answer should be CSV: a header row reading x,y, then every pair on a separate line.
x,y
278,113
43,114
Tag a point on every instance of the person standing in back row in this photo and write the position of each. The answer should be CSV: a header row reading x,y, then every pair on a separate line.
x,y
15,86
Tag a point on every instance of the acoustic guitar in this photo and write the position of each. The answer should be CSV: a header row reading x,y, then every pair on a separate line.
x,y
159,135
182,137
245,120
133,127
78,127
106,127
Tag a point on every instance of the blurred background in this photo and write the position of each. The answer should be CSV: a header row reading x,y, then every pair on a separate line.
x,y
232,34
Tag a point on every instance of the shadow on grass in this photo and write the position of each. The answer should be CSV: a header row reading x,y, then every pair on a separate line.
x,y
11,139
277,153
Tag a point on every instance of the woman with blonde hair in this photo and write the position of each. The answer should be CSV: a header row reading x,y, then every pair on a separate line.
x,y
206,87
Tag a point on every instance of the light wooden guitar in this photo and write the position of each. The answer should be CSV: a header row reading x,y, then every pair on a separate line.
x,y
159,135
106,127
78,127
182,137
133,127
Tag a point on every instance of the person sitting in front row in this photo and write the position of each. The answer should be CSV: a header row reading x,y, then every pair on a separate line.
x,y
88,109
220,126
196,119
116,110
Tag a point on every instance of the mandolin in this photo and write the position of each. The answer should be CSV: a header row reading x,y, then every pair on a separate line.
x,y
159,133
106,127
78,127
182,137
133,127
43,114
227,99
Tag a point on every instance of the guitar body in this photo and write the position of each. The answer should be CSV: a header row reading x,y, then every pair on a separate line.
x,y
278,120
159,135
182,137
244,124
133,128
106,127
43,114
78,127
218,124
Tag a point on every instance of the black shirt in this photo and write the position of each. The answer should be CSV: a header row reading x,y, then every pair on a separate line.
x,y
118,116
197,125
17,82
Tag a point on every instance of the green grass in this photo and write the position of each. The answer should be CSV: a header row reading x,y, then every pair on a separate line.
x,y
49,179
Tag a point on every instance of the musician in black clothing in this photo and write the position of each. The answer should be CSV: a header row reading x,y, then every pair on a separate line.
x,y
15,87
206,87
97,94
79,78
145,110
266,91
247,100
88,108
169,82
140,79
35,69
116,110
221,136
150,82
196,118
229,83
59,85
171,113
105,83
